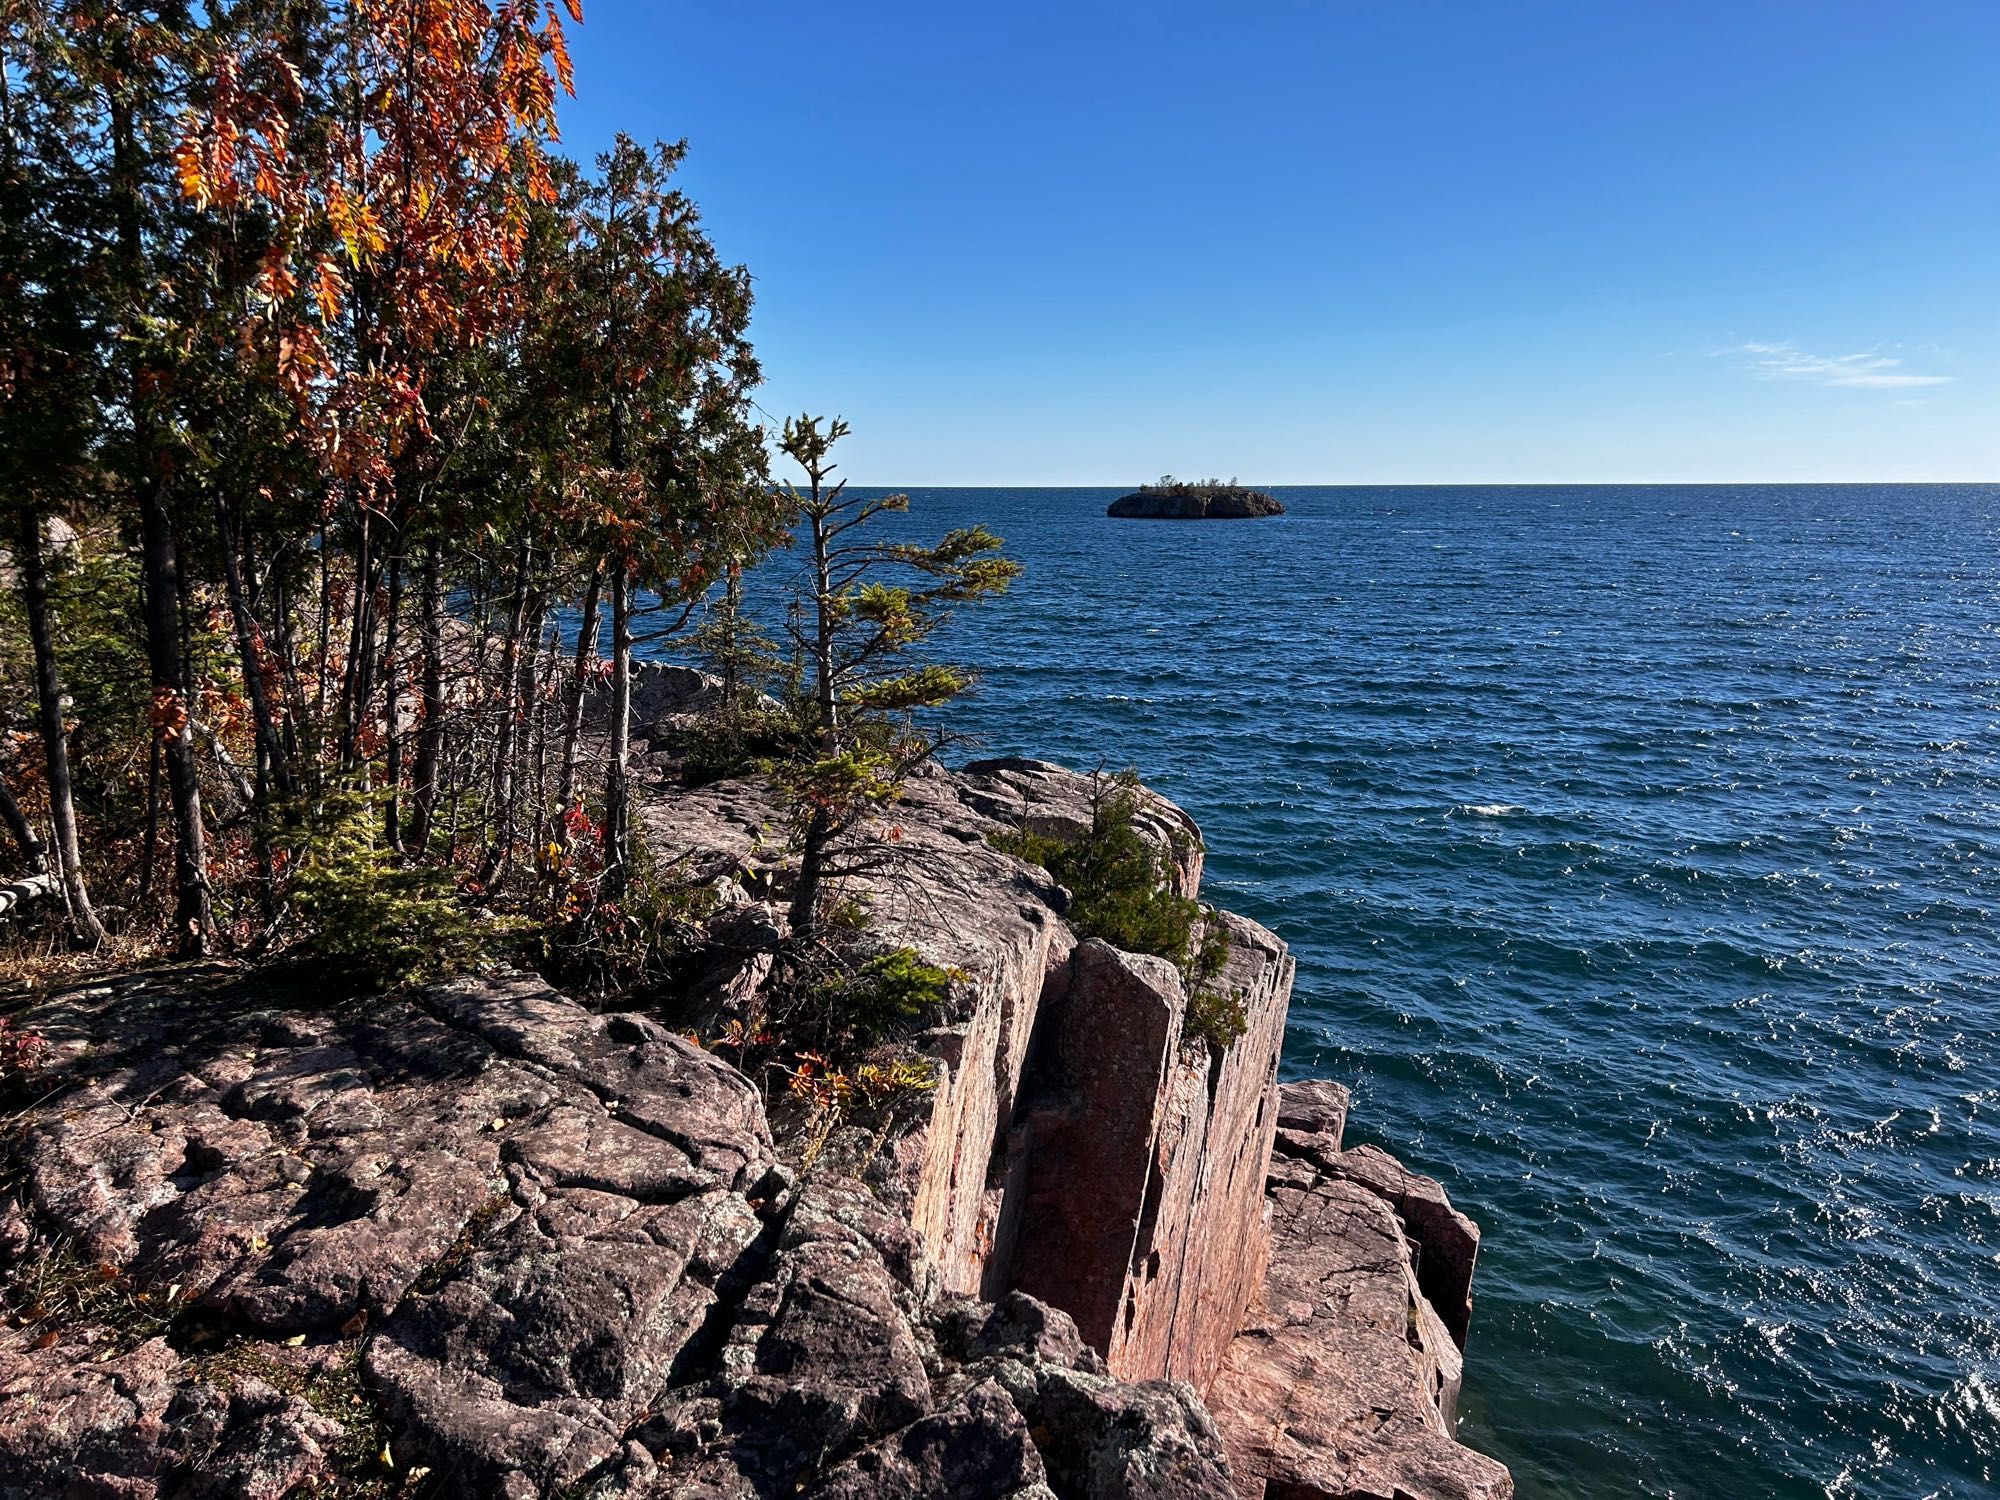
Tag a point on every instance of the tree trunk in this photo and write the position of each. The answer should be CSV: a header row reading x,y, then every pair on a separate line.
x,y
812,871
159,566
823,637
586,648
173,721
392,707
430,725
270,746
55,742
325,633
356,689
32,852
732,629
541,733
500,812
527,710
617,808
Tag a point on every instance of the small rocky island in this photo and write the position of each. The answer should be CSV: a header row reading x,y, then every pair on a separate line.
x,y
1191,500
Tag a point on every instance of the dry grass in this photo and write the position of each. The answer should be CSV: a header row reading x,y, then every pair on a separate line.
x,y
33,963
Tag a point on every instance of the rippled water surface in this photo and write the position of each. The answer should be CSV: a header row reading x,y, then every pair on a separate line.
x,y
1638,848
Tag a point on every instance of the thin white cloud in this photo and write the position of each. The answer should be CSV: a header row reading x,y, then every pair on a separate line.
x,y
1854,371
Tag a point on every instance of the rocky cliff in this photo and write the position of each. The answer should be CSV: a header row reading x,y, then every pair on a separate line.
x,y
482,1240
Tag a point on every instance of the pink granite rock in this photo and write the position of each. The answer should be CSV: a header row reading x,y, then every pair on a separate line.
x,y
1444,1242
565,1258
1146,1158
1316,1107
1343,1383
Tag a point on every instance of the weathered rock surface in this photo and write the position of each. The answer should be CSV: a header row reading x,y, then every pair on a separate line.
x,y
943,890
666,699
1086,1150
538,1251
1146,1154
1315,1108
530,1249
1221,504
1343,1384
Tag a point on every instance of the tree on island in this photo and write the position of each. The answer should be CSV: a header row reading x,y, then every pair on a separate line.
x,y
1166,484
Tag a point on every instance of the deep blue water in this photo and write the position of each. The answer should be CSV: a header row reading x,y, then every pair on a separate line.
x,y
1638,847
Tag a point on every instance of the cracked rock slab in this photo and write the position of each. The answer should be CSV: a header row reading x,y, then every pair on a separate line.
x,y
1343,1382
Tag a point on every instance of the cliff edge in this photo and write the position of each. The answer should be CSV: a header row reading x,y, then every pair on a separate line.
x,y
261,1240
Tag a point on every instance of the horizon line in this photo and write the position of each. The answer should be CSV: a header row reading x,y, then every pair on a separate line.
x,y
1437,484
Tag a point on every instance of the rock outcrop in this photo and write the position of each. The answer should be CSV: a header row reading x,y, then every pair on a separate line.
x,y
1083,1148
1191,503
485,1239
1343,1384
1146,1154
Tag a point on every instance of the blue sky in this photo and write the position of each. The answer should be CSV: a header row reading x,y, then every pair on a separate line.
x,y
1345,242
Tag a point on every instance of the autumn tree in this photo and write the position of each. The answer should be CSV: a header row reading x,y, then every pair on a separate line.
x,y
371,411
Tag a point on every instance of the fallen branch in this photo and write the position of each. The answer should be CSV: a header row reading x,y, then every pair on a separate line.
x,y
26,889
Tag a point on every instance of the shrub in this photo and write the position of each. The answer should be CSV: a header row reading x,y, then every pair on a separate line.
x,y
367,911
735,742
23,1056
1214,1014
1119,893
588,942
842,1004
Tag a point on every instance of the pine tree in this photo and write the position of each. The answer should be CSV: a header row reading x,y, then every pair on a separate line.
x,y
865,607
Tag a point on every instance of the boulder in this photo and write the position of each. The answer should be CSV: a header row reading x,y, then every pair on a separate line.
x,y
1099,1437
67,1417
1317,1107
1444,1243
976,1448
665,698
1090,1136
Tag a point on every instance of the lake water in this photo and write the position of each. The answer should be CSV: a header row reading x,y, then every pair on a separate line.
x,y
1638,847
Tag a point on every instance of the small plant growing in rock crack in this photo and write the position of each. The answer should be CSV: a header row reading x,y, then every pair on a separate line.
x,y
830,1095
24,1057
1119,892
58,1296
1215,1014
361,1464
456,1255
826,1039
832,999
